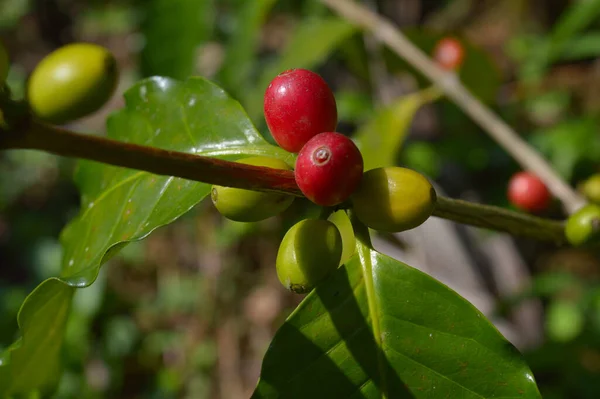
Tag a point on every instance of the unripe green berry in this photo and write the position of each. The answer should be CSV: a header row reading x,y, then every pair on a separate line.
x,y
393,199
308,253
72,82
591,188
247,205
583,227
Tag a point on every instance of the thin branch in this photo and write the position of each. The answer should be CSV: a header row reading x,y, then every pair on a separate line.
x,y
497,128
52,139
495,218
49,138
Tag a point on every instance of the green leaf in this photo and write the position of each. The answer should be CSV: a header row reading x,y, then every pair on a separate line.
x,y
173,32
11,12
379,328
33,361
237,67
120,205
311,43
569,145
562,42
581,47
577,17
381,137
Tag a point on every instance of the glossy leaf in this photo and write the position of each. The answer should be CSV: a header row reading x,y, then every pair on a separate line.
x,y
379,328
120,205
312,41
33,361
381,138
173,32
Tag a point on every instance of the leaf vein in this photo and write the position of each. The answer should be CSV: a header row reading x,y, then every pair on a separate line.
x,y
434,371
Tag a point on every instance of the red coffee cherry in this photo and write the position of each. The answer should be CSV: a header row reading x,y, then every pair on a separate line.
x,y
329,168
449,53
527,192
299,105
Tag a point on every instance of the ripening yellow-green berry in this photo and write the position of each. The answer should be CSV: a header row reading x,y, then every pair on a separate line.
x,y
393,199
583,227
247,205
591,188
72,82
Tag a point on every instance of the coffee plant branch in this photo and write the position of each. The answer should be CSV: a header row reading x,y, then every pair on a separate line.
x,y
49,138
59,141
515,223
525,155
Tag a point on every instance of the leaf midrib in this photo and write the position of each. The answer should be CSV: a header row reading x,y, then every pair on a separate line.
x,y
434,372
364,253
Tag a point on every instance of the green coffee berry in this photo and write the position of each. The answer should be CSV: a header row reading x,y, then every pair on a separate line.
x,y
72,82
591,188
583,227
393,199
247,205
308,253
342,222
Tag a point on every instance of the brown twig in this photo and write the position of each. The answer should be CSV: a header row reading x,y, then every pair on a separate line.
x,y
49,138
529,159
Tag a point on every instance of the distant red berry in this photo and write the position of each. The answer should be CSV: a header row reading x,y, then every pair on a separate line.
x,y
329,168
449,53
527,192
299,105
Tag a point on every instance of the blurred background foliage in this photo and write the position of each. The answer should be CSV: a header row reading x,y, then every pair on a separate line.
x,y
190,311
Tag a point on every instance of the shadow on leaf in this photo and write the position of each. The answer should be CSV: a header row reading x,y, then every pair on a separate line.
x,y
328,349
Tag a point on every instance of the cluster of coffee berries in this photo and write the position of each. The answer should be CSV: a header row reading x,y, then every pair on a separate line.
x,y
301,113
72,82
527,192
